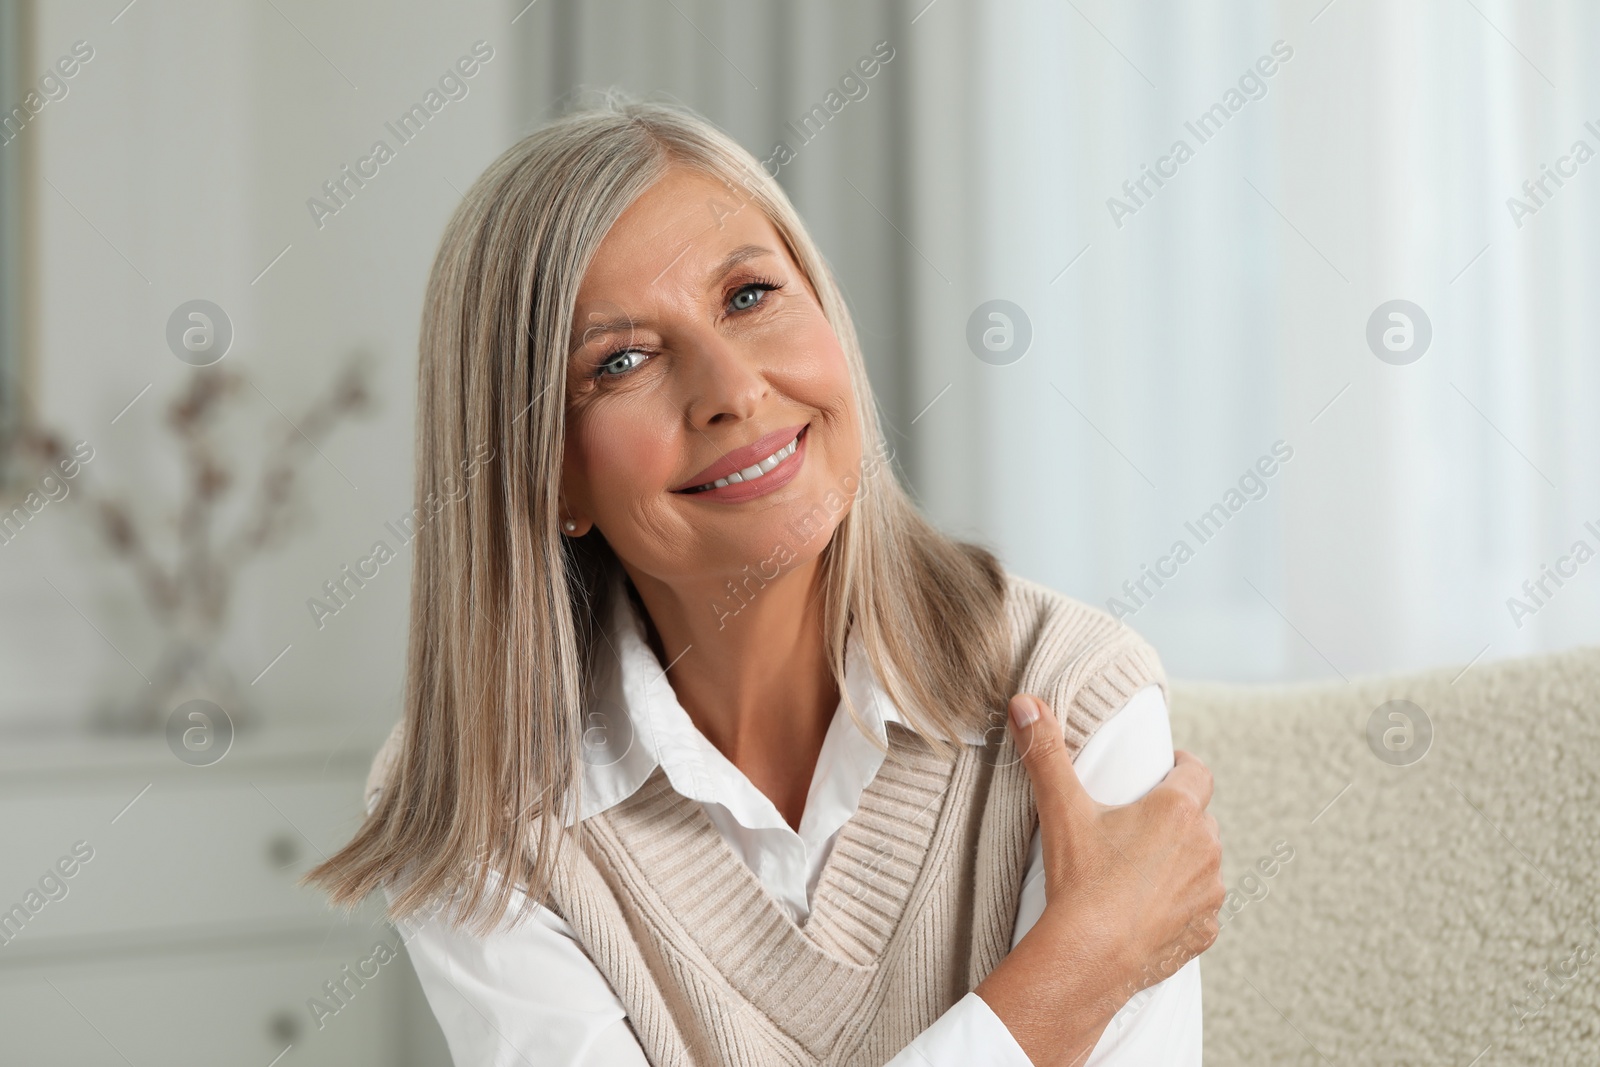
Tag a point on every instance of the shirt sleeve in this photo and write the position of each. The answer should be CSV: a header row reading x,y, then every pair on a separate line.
x,y
525,995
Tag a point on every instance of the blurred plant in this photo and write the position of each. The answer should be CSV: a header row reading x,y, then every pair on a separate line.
x,y
188,588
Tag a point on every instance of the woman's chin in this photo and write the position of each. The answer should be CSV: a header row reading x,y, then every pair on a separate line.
x,y
773,542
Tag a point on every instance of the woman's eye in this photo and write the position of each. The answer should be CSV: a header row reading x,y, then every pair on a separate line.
x,y
749,296
621,362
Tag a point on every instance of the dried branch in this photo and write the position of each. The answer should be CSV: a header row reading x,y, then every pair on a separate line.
x,y
197,581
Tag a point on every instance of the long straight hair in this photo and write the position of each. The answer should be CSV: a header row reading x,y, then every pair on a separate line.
x,y
506,611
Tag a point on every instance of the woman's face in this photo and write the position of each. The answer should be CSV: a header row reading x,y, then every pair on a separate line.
x,y
700,352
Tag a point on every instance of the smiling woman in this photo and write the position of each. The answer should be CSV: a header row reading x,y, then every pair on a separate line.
x,y
804,834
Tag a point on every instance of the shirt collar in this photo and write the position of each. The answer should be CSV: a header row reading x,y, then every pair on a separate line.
x,y
634,723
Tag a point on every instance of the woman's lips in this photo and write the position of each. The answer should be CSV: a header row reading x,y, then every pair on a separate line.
x,y
775,478
742,458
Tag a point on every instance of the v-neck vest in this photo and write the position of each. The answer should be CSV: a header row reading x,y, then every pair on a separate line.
x,y
915,904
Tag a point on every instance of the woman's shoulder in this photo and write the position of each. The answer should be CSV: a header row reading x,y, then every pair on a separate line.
x,y
1084,662
1035,608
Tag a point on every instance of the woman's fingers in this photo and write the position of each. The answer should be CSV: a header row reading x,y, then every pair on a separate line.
x,y
1038,738
1044,754
1191,777
1066,810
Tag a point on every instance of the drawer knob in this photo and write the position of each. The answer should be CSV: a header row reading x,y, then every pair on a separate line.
x,y
283,1027
282,850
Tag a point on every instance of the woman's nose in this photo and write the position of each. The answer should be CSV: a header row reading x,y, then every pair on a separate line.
x,y
724,381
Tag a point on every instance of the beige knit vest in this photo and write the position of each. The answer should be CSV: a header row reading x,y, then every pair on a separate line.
x,y
914,907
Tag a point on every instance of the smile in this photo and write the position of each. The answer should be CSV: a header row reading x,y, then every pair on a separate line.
x,y
725,483
755,470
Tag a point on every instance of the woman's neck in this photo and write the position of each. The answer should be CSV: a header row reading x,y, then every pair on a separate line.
x,y
755,680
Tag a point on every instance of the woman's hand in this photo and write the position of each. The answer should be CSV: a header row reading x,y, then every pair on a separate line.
x,y
1131,894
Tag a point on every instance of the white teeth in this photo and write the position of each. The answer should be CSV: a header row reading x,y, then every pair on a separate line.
x,y
751,473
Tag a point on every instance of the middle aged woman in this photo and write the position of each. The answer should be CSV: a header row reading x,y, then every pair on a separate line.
x,y
705,756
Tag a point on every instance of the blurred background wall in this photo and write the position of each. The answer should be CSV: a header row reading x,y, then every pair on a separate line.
x,y
1178,331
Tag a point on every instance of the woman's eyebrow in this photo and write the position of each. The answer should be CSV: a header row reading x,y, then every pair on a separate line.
x,y
733,259
600,328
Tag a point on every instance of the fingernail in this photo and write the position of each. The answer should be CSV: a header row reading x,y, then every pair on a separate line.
x,y
1023,711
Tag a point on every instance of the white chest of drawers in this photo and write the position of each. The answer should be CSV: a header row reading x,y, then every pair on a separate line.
x,y
182,938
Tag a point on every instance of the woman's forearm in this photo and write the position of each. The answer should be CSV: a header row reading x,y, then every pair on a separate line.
x,y
1058,989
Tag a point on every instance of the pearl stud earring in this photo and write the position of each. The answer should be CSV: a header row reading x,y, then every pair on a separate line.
x,y
569,526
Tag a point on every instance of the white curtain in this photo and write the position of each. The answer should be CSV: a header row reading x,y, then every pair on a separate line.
x,y
1187,339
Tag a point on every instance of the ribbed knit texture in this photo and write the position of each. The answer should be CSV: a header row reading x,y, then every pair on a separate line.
x,y
915,905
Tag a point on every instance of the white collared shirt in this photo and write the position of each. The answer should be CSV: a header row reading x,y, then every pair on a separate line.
x,y
530,995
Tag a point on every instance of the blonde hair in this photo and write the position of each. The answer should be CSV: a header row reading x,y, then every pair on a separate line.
x,y
506,612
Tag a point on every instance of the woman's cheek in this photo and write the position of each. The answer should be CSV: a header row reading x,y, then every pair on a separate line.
x,y
812,370
605,453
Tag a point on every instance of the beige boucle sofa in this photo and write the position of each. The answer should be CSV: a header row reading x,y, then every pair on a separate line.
x,y
1445,911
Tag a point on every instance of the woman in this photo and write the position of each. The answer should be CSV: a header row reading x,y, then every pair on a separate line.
x,y
622,820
